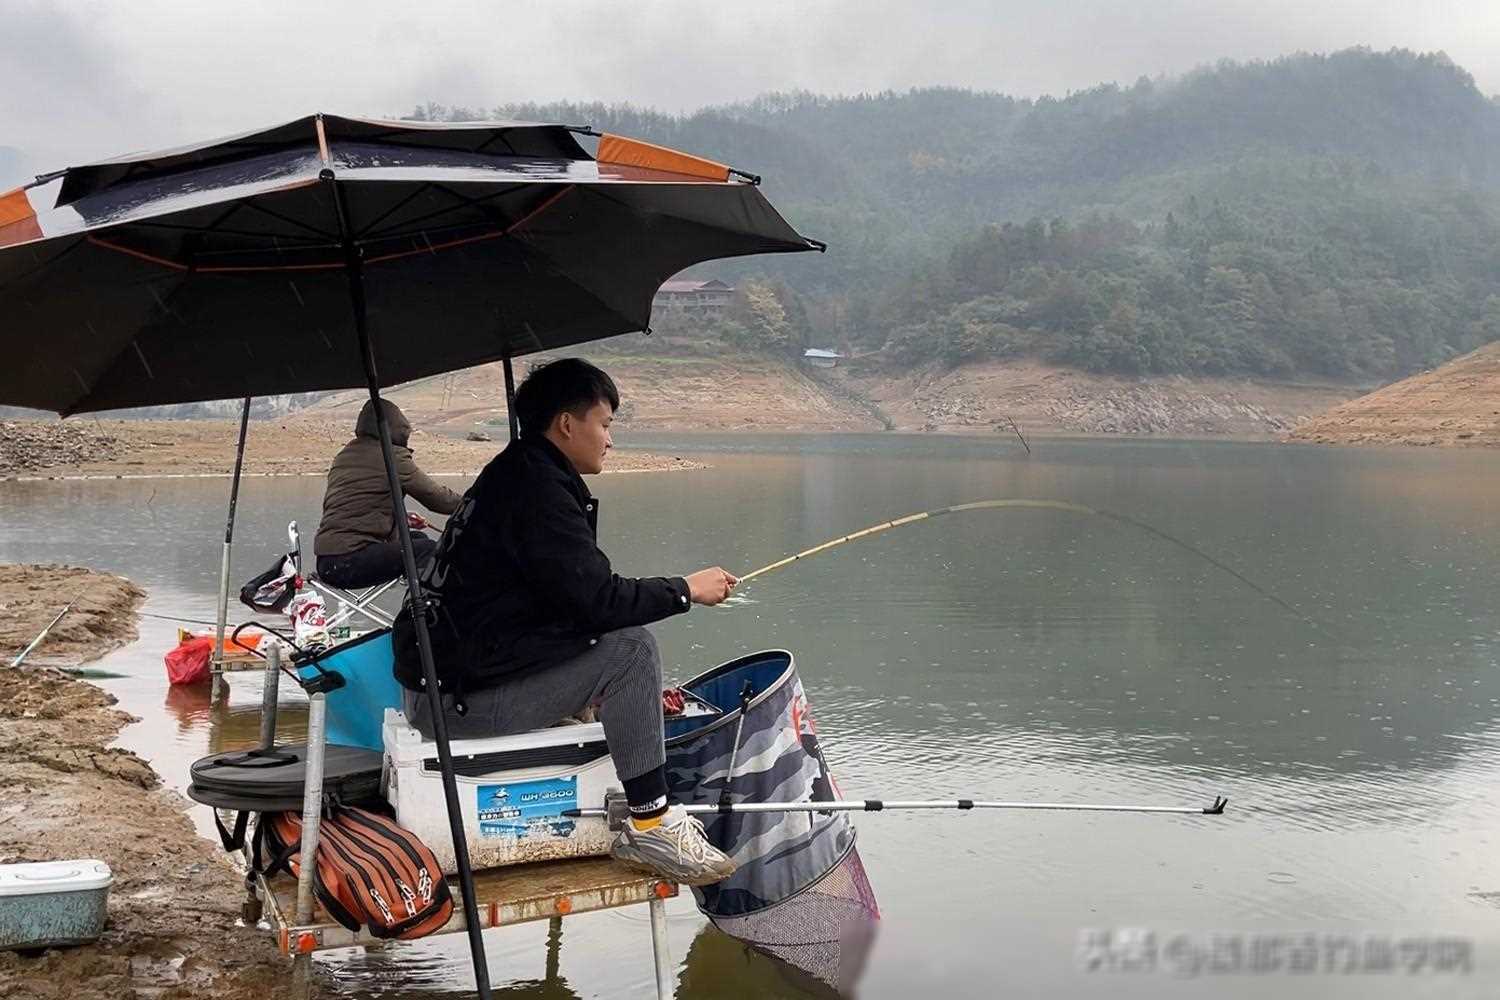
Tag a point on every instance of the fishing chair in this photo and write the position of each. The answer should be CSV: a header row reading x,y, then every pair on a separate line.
x,y
350,603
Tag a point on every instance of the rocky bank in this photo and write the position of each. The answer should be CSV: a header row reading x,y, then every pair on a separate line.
x,y
1045,399
299,445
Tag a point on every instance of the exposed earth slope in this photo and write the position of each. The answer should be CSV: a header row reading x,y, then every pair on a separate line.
x,y
1456,404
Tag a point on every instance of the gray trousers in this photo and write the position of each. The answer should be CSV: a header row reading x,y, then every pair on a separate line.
x,y
621,674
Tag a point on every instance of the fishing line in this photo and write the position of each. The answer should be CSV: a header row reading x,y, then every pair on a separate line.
x,y
1060,505
186,621
178,618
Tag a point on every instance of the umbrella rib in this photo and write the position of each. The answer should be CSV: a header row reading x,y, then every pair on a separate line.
x,y
224,216
394,208
170,227
478,237
234,207
499,134
331,237
47,263
141,254
480,204
221,269
462,203
284,244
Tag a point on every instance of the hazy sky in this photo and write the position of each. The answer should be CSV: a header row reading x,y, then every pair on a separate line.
x,y
86,79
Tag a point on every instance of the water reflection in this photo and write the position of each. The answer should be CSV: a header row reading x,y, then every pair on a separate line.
x,y
229,724
391,972
1010,655
718,965
714,965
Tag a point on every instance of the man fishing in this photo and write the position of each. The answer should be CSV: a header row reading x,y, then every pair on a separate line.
x,y
529,623
356,544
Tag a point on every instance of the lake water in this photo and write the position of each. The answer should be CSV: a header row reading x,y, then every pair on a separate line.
x,y
1014,654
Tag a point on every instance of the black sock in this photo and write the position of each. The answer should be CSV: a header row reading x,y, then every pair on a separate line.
x,y
647,794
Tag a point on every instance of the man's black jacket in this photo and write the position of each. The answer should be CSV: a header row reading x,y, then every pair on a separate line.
x,y
518,582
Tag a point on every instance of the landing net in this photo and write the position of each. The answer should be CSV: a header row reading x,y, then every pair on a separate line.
x,y
800,893
826,930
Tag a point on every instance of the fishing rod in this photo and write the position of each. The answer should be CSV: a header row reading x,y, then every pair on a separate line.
x,y
1061,505
42,634
616,810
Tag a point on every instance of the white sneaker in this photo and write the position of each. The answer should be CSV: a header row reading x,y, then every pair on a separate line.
x,y
676,849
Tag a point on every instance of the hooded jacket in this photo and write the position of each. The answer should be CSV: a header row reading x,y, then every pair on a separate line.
x,y
518,582
357,500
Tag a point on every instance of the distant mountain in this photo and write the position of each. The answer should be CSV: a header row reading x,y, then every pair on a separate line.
x,y
1333,215
1329,218
878,175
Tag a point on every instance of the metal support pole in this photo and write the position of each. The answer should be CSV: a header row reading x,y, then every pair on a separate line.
x,y
217,670
270,690
312,814
354,267
510,400
660,950
312,803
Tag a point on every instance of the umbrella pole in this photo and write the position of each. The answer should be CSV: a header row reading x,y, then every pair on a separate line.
x,y
355,270
510,400
234,498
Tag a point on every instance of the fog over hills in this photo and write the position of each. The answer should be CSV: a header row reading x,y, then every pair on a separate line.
x,y
1330,215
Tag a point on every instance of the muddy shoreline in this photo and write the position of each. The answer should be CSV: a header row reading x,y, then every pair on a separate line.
x,y
66,792
299,445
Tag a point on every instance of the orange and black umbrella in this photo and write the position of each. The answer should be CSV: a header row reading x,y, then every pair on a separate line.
x,y
222,270
328,253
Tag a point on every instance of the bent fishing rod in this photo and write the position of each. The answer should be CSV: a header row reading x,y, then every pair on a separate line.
x,y
615,809
1060,505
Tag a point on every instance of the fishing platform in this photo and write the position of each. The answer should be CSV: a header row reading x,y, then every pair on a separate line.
x,y
504,896
517,894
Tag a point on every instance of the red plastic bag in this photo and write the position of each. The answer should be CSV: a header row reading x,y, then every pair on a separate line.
x,y
188,663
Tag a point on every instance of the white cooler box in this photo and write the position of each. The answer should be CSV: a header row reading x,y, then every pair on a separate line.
x,y
512,790
46,904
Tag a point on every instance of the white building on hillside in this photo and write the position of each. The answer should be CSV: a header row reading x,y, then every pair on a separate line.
x,y
709,296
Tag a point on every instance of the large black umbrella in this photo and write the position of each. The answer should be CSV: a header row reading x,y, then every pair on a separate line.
x,y
333,252
222,270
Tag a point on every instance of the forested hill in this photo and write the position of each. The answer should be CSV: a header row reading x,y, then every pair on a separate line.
x,y
1316,214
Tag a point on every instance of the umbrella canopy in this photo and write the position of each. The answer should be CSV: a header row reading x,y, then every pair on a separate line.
x,y
223,270
331,252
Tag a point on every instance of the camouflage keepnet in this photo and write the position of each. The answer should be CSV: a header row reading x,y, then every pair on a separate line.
x,y
800,891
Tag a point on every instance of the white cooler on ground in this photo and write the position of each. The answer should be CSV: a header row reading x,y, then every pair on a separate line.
x,y
44,904
512,790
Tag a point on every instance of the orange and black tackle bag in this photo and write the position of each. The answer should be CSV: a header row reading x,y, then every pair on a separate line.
x,y
370,872
278,847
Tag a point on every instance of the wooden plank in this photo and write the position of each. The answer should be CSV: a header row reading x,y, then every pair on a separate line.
x,y
511,895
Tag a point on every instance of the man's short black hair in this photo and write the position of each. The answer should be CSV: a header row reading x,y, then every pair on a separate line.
x,y
570,384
